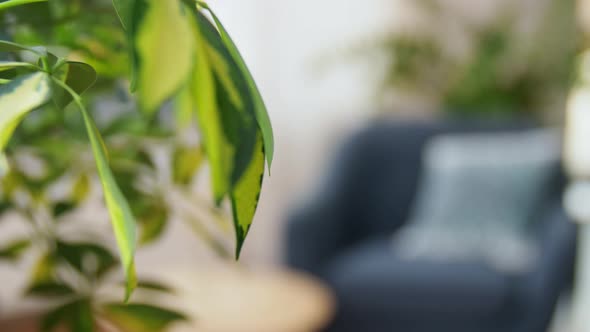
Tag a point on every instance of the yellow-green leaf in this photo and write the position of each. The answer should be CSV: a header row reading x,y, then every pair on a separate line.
x,y
18,98
184,107
153,220
222,69
44,268
219,151
80,188
246,194
141,317
164,51
186,162
260,108
6,65
120,212
121,216
240,127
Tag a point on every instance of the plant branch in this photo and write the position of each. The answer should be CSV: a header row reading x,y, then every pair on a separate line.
x,y
15,3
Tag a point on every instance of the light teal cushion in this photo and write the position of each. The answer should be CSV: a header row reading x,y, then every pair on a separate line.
x,y
477,195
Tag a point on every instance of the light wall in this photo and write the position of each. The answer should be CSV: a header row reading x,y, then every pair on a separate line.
x,y
297,51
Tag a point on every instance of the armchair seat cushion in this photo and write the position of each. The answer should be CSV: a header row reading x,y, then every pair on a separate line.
x,y
371,282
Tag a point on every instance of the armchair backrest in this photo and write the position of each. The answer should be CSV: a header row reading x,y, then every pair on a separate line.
x,y
376,176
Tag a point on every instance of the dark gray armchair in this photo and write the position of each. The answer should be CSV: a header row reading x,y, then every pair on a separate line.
x,y
344,237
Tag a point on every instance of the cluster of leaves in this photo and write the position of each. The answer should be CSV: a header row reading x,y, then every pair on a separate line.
x,y
71,274
507,72
179,51
72,265
88,29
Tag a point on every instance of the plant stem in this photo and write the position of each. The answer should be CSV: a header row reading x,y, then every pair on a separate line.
x,y
14,3
76,97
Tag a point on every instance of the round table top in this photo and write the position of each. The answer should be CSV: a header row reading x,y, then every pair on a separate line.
x,y
234,299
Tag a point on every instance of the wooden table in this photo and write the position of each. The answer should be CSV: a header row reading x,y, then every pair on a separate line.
x,y
233,299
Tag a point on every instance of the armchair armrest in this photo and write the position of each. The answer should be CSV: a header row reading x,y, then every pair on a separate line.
x,y
557,236
368,192
325,225
555,269
314,236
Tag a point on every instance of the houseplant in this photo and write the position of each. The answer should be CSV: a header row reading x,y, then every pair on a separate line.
x,y
177,50
516,62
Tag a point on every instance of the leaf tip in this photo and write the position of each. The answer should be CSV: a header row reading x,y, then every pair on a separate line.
x,y
131,283
239,246
241,235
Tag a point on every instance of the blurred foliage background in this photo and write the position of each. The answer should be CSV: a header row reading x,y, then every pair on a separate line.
x,y
510,67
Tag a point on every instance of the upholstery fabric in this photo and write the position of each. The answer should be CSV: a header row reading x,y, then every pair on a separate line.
x,y
343,236
476,197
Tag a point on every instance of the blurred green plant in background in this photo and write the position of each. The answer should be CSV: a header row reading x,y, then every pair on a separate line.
x,y
212,113
507,71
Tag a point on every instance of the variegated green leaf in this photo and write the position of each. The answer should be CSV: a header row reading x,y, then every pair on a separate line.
x,y
18,98
219,151
6,65
241,130
163,50
260,108
246,194
233,99
121,216
120,212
